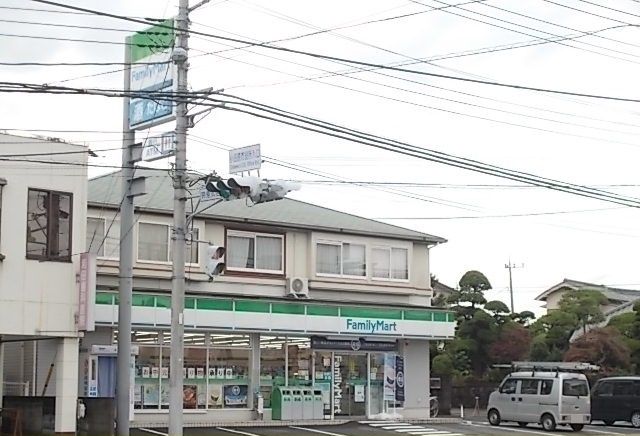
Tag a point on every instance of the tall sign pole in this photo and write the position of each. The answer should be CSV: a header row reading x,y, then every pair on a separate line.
x,y
123,383
511,266
179,57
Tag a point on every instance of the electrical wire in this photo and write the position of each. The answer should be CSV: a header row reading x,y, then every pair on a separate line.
x,y
90,41
352,61
584,12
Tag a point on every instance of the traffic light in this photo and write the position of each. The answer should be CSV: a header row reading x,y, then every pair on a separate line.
x,y
215,261
259,191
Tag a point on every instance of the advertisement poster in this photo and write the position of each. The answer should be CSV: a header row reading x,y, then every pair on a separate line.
x,y
389,376
212,372
399,378
190,396
150,394
215,396
235,395
359,394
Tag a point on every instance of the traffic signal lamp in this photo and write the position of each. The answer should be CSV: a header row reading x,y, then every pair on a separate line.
x,y
215,261
259,191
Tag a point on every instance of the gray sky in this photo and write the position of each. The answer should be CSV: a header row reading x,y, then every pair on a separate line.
x,y
586,141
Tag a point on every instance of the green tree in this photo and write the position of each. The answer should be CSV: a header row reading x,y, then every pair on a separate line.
x,y
479,333
585,305
555,329
524,317
628,324
470,294
499,310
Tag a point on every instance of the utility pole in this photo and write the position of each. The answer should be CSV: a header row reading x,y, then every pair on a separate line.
x,y
511,266
179,57
123,382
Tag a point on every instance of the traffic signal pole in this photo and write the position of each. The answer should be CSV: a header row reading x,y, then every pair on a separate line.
x,y
179,57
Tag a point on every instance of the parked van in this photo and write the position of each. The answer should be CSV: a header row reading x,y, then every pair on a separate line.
x,y
542,396
616,399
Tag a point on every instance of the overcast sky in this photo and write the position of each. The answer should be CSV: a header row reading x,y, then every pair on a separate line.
x,y
586,141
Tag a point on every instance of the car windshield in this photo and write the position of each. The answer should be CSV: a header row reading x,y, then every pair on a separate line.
x,y
575,388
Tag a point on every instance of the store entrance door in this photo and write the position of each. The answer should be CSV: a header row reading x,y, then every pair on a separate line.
x,y
350,379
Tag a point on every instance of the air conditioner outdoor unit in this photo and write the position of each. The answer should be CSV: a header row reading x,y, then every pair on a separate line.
x,y
298,287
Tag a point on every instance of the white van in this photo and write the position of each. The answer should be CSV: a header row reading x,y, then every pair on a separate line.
x,y
545,397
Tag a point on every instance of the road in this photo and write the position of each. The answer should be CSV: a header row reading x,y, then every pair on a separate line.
x,y
381,428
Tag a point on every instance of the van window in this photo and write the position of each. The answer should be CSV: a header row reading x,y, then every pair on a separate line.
x,y
575,388
622,388
546,387
509,386
529,387
603,389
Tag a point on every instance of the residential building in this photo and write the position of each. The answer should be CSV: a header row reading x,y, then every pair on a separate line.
x,y
619,300
310,297
43,197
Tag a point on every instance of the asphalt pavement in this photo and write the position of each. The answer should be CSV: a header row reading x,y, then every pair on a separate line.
x,y
477,427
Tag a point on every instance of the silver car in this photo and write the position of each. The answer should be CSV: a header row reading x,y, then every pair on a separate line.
x,y
548,398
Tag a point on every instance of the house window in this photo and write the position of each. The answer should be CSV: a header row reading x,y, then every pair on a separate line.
x,y
154,243
341,258
49,217
96,236
255,252
390,263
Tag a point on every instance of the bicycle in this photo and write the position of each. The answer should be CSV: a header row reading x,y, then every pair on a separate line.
x,y
434,406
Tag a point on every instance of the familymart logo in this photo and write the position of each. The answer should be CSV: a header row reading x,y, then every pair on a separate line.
x,y
371,326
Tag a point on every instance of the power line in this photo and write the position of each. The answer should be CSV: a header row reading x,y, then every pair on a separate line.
x,y
584,12
89,41
511,215
531,28
609,8
352,61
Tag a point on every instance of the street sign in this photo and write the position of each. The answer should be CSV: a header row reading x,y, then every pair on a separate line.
x,y
158,147
209,196
152,70
244,159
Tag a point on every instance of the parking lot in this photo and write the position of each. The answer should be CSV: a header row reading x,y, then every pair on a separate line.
x,y
395,428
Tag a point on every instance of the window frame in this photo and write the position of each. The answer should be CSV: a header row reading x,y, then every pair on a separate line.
x,y
255,234
341,243
390,249
515,386
105,235
169,242
48,257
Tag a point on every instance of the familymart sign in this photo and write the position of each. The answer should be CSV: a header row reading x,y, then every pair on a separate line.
x,y
314,319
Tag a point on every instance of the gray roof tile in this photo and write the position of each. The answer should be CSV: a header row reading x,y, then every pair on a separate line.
x,y
106,190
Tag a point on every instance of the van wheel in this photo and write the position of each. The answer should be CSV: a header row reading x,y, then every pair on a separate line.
x,y
577,427
522,424
635,419
494,417
608,421
549,423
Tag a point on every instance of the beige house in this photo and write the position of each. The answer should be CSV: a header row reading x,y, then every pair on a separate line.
x,y
43,198
311,297
619,300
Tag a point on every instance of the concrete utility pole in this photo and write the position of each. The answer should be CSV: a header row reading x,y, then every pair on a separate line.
x,y
511,266
179,57
123,382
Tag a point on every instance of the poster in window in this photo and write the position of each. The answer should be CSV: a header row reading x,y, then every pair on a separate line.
x,y
164,395
220,372
215,396
150,395
146,372
235,395
155,372
228,373
389,376
164,372
212,372
359,394
199,372
191,372
399,388
189,396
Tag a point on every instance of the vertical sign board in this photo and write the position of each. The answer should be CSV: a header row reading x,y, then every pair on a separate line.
x,y
337,384
152,70
389,376
245,159
86,292
399,388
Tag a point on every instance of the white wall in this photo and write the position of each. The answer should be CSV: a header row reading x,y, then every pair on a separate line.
x,y
38,298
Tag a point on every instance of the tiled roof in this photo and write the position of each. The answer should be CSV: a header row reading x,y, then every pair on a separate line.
x,y
106,190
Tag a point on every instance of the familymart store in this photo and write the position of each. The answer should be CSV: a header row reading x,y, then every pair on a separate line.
x,y
237,349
